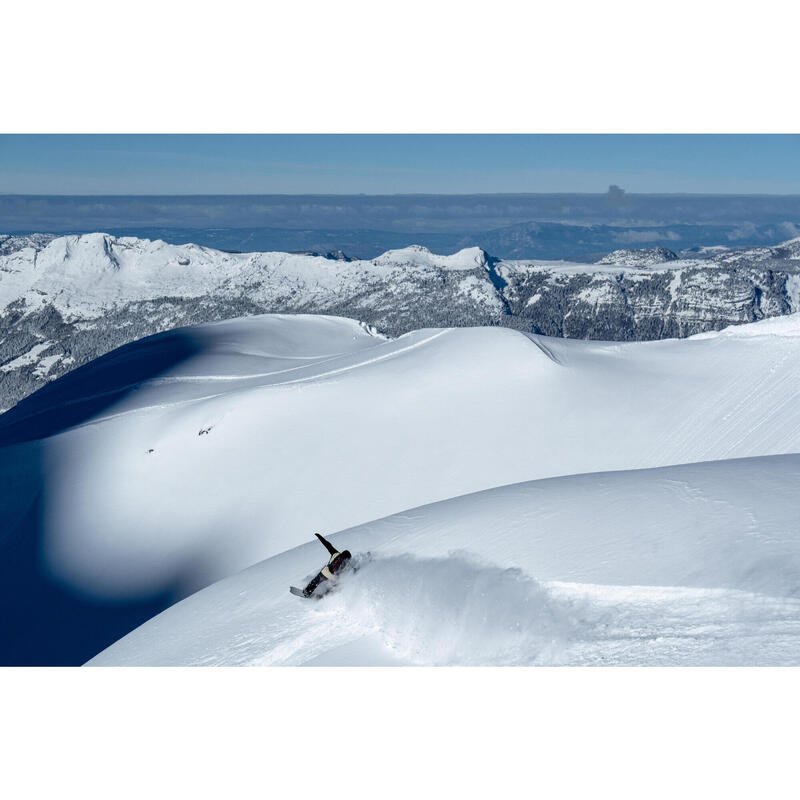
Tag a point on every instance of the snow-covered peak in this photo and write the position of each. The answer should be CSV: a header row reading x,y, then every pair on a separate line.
x,y
647,257
95,253
415,255
85,275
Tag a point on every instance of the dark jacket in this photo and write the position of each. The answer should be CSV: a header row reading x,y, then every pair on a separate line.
x,y
336,563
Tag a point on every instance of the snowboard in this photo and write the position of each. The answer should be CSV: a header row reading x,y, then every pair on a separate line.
x,y
313,596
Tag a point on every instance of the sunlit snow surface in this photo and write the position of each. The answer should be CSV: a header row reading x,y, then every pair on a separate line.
x,y
692,564
531,524
697,564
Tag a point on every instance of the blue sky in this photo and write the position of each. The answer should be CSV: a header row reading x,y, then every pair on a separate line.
x,y
389,164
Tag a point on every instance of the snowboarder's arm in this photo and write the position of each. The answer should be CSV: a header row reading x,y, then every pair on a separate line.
x,y
328,546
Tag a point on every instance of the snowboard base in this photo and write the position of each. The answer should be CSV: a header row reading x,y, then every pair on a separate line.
x,y
313,596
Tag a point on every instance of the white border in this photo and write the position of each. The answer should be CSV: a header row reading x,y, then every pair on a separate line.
x,y
398,732
416,66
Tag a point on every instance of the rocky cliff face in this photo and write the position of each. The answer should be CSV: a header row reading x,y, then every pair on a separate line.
x,y
635,305
13,244
67,300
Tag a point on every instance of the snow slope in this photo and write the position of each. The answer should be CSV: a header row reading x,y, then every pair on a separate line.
x,y
186,457
276,426
696,564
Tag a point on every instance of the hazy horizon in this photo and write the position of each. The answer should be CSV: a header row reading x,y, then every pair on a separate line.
x,y
394,194
397,164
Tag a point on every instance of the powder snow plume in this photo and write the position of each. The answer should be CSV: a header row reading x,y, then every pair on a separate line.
x,y
456,610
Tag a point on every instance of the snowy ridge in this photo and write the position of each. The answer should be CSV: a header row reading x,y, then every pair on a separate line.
x,y
417,256
640,258
83,275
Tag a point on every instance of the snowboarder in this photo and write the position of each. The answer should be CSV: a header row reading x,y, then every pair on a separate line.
x,y
336,563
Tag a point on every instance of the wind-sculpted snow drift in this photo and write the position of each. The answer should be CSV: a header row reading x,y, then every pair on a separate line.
x,y
182,459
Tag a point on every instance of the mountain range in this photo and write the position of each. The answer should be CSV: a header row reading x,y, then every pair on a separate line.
x,y
65,300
